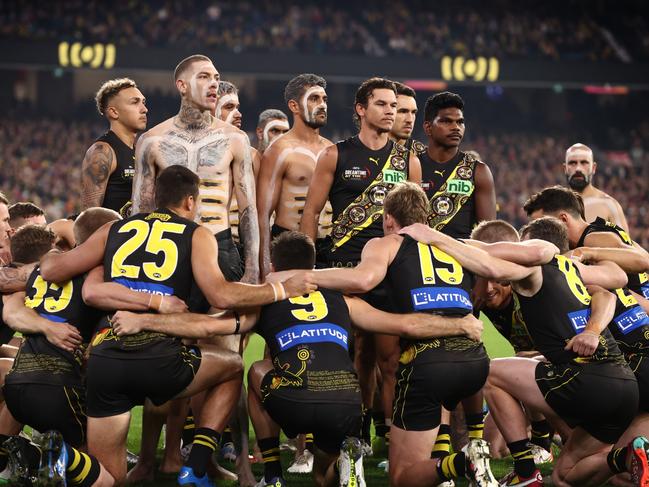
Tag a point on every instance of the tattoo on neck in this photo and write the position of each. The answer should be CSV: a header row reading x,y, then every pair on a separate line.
x,y
191,118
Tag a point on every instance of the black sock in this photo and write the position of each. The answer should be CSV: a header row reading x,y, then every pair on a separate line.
x,y
541,434
523,458
205,442
227,436
82,469
367,423
188,429
616,459
475,424
380,428
451,466
442,446
270,453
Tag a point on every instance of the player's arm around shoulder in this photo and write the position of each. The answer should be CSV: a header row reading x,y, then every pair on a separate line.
x,y
316,198
97,166
375,259
59,266
411,325
606,274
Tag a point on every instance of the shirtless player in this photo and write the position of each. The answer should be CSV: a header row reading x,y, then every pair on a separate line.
x,y
215,150
580,168
288,164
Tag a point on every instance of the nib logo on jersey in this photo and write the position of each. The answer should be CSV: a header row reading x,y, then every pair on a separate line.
x,y
312,333
146,287
446,298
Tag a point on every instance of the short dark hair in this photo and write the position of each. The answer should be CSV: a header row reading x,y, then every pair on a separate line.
x,y
404,90
555,199
90,220
550,229
21,211
296,88
109,90
292,250
495,231
187,62
407,204
366,89
3,199
174,184
226,88
439,101
30,243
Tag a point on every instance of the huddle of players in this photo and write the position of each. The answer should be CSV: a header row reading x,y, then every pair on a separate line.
x,y
381,240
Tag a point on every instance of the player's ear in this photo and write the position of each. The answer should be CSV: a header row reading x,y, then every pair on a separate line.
x,y
294,106
181,86
594,167
111,113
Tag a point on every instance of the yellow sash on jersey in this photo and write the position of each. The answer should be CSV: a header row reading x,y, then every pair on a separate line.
x,y
368,206
447,201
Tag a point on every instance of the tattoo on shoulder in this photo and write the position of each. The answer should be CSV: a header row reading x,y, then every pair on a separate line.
x,y
99,164
14,279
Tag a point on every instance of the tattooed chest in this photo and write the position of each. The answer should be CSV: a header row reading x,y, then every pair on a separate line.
x,y
211,154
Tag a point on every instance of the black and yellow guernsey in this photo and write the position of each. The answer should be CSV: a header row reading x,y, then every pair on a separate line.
x,y
149,253
449,187
424,279
509,323
638,283
308,337
39,361
120,183
559,311
362,179
630,325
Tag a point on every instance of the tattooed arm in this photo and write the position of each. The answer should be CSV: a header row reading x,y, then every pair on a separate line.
x,y
14,279
145,173
244,188
97,166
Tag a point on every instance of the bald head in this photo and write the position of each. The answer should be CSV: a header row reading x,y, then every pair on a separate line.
x,y
579,150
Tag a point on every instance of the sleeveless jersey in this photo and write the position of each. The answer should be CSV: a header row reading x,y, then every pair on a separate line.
x,y
148,253
308,338
120,183
423,278
434,176
630,325
39,361
559,311
638,283
357,167
509,323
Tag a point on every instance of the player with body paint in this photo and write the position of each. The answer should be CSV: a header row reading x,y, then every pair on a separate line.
x,y
272,123
288,164
215,150
579,169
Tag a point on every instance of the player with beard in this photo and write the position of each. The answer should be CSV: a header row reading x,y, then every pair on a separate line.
x,y
404,120
580,169
271,124
288,165
108,168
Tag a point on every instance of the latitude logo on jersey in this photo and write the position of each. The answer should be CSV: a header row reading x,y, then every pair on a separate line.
x,y
312,333
631,319
579,319
440,297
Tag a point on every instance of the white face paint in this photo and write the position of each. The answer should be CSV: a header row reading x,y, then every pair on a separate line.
x,y
224,100
310,116
579,154
280,124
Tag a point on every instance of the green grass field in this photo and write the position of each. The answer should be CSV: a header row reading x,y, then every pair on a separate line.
x,y
496,346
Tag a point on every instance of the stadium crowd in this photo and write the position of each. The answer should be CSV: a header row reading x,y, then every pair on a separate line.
x,y
558,30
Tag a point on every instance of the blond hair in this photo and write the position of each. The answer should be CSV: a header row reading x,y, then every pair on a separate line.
x,y
110,89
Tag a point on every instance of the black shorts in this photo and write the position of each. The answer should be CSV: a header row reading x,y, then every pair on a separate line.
x,y
330,423
230,264
45,407
276,231
423,388
116,385
600,398
640,366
